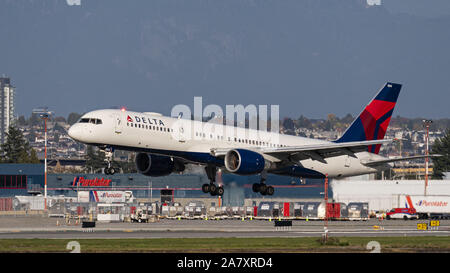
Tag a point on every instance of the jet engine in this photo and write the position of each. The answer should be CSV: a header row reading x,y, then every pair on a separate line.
x,y
241,161
157,165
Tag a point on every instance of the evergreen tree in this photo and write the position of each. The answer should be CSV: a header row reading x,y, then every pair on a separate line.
x,y
72,118
33,156
441,164
16,148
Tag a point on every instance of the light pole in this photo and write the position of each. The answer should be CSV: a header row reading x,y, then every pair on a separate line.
x,y
44,114
427,123
325,228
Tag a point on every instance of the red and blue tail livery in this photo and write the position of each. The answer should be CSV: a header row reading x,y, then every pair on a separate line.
x,y
374,120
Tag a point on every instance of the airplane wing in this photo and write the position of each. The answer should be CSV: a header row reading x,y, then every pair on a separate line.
x,y
312,151
395,159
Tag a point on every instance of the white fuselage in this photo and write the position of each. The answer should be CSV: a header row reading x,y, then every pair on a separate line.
x,y
194,140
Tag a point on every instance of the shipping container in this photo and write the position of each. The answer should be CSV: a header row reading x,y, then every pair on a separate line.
x,y
286,209
6,204
298,209
265,209
358,211
311,210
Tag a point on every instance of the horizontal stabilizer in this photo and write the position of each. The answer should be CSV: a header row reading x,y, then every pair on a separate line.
x,y
389,160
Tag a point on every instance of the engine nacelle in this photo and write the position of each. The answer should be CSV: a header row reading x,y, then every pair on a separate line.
x,y
241,161
154,165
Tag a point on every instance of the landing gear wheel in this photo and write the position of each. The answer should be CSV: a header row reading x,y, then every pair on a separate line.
x,y
263,189
205,188
256,187
212,189
110,171
220,191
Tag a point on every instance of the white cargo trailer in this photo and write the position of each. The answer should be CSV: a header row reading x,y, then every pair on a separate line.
x,y
427,206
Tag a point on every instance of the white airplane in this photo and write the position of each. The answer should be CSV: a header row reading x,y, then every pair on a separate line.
x,y
166,144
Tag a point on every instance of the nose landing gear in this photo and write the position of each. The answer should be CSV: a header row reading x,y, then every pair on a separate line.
x,y
109,170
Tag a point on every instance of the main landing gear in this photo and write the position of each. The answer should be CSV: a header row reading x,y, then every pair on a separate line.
x,y
212,188
262,187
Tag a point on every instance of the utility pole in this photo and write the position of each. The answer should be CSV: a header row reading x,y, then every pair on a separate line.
x,y
325,228
427,123
44,114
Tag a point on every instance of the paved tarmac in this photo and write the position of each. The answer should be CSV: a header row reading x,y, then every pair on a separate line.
x,y
55,228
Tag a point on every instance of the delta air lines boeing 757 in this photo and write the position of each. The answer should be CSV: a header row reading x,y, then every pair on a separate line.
x,y
165,145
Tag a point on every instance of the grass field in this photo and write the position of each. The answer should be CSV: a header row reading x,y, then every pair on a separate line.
x,y
208,245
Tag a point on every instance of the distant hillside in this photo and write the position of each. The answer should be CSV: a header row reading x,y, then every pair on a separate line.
x,y
311,57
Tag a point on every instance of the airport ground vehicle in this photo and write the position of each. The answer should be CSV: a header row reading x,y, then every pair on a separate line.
x,y
402,213
140,215
428,206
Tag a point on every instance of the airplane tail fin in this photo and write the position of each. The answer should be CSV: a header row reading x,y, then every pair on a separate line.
x,y
374,120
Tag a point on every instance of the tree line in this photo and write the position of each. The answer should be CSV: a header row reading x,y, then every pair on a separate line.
x,y
16,149
334,123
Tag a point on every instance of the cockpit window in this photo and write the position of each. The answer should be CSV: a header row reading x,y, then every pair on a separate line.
x,y
91,120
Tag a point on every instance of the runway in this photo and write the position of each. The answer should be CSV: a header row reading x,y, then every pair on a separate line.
x,y
51,228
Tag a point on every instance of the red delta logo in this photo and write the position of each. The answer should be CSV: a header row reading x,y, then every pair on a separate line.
x,y
80,181
146,120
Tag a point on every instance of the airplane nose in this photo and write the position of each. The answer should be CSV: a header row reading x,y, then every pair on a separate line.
x,y
74,132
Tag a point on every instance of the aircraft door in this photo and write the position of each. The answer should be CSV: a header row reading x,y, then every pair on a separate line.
x,y
179,131
117,124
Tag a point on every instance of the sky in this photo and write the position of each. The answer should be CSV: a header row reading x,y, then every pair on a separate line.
x,y
310,57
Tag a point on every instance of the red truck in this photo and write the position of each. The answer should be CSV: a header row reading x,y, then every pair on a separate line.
x,y
402,213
